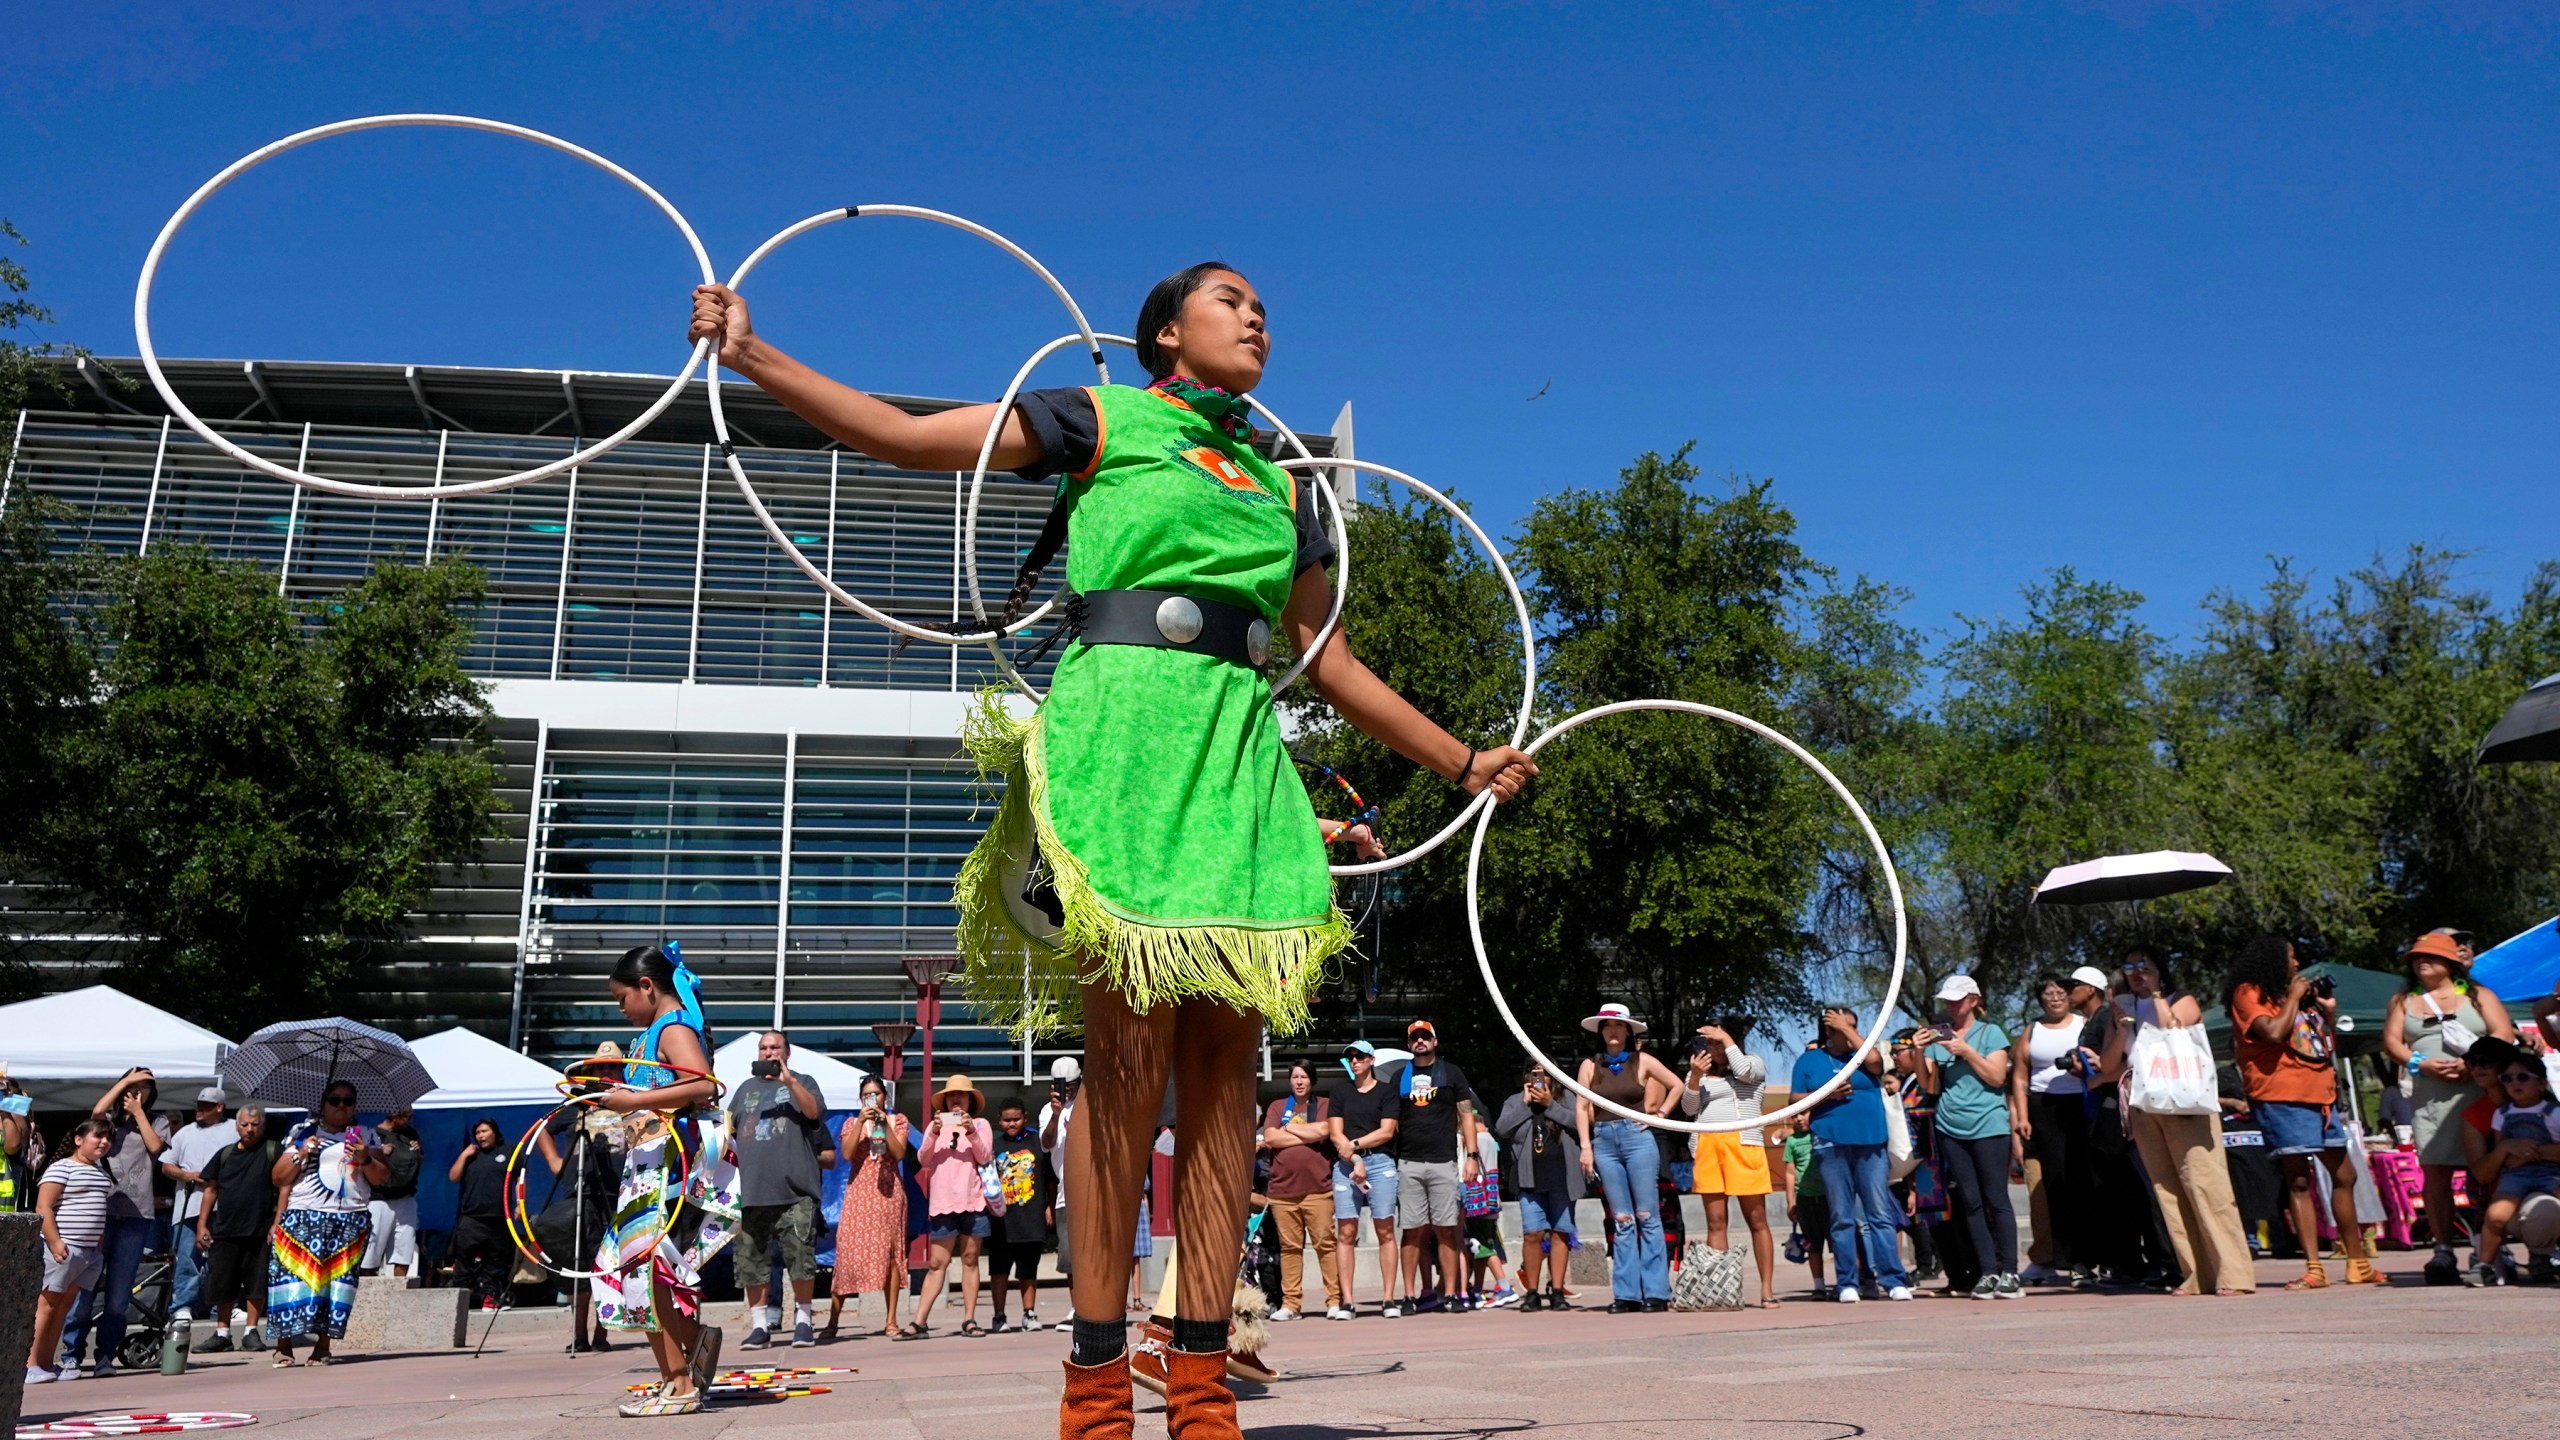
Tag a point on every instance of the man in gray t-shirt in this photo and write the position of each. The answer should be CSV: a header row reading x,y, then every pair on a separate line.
x,y
775,1126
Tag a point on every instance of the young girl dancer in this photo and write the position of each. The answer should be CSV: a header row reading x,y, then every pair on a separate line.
x,y
1178,860
656,1244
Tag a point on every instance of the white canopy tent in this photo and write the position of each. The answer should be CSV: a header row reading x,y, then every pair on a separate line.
x,y
66,1049
839,1084
475,1072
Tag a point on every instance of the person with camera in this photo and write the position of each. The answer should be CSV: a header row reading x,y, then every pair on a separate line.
x,y
2049,1115
774,1127
1969,1062
955,1144
871,1226
1539,1131
133,1163
2283,1028
2182,1153
1724,1084
395,1200
1066,1077
331,1169
1848,1132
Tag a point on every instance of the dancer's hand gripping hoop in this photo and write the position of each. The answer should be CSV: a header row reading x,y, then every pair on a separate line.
x,y
589,1095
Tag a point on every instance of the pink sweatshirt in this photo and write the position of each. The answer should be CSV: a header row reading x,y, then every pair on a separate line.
x,y
948,1167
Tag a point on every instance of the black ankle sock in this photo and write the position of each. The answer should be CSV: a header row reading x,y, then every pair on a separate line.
x,y
1099,1342
1199,1337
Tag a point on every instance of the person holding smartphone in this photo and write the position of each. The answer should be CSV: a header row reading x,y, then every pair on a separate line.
x,y
774,1122
1540,1133
1848,1133
133,1211
954,1145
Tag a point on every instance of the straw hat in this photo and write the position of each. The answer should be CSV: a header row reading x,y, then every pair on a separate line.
x,y
1614,1011
960,1085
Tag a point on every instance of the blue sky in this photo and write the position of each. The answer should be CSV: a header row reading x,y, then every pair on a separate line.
x,y
2150,290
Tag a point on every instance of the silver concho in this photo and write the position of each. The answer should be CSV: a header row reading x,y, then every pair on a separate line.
x,y
1257,641
1178,619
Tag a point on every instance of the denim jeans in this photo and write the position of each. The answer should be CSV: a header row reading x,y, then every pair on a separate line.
x,y
104,1307
1630,1165
186,1266
1863,1212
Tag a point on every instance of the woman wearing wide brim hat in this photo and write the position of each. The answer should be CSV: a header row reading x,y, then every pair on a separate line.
x,y
1623,1156
2425,1033
953,1144
1180,862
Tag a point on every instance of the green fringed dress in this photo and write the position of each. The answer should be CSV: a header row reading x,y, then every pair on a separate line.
x,y
1156,784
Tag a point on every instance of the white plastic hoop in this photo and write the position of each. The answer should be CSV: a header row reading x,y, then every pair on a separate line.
x,y
1483,800
977,485
738,471
1561,1074
357,489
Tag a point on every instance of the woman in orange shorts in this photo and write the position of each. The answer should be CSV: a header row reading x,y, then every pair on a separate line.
x,y
1724,1084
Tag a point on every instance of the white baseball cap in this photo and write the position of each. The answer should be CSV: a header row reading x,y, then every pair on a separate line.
x,y
1065,1070
1957,987
2091,976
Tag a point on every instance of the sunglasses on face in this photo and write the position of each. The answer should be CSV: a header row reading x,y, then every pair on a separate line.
x,y
2511,1076
337,1099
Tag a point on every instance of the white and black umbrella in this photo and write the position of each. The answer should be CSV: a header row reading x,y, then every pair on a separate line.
x,y
293,1062
2146,876
2530,730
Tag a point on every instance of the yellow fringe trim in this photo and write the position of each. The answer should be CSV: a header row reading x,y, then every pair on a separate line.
x,y
1033,988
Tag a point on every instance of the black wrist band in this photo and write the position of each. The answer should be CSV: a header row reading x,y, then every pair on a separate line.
x,y
1467,769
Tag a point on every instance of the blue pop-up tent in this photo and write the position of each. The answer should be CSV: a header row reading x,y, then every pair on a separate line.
x,y
2523,968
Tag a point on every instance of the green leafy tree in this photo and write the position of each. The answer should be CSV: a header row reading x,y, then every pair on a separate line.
x,y
256,790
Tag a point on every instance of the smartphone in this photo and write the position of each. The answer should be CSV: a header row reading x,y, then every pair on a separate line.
x,y
766,1069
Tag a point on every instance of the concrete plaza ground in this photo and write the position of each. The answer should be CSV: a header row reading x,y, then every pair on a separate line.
x,y
2337,1362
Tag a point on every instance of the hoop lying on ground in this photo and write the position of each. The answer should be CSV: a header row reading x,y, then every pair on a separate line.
x,y
755,502
1563,1075
361,491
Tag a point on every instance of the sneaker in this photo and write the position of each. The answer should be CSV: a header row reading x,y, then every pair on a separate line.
x,y
38,1375
1898,1292
2084,1280
1848,1295
1426,1305
2442,1270
215,1346
1391,1310
1556,1299
1031,1320
2038,1275
1501,1298
1533,1301
1067,1324
2482,1274
999,1325
757,1338
2008,1287
1340,1312
489,1303
1986,1288
802,1337
103,1370
1283,1313
1656,1307
2540,1271
69,1372
181,1315
254,1339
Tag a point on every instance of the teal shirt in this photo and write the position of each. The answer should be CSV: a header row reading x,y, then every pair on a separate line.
x,y
1797,1150
1967,1108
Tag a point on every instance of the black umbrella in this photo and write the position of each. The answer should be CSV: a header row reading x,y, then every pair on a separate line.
x,y
293,1062
2530,730
2146,876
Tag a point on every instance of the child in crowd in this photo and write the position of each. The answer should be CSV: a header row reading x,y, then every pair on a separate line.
x,y
1482,1202
1808,1205
2523,1163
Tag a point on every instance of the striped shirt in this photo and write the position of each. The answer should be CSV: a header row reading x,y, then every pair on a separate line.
x,y
1731,1097
80,1214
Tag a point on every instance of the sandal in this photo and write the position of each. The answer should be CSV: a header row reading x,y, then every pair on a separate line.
x,y
912,1331
284,1361
2315,1276
969,1327
2360,1271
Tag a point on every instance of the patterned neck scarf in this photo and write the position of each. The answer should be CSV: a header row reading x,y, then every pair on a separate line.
x,y
1227,412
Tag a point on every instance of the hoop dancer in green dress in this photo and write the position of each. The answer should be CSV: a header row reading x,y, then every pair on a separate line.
x,y
1150,803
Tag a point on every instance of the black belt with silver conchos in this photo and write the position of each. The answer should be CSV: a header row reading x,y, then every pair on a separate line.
x,y
1170,620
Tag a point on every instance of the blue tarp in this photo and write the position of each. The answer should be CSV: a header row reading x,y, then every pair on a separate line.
x,y
2522,969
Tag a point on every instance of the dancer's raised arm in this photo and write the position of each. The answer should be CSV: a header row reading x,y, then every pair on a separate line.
x,y
944,440
1385,716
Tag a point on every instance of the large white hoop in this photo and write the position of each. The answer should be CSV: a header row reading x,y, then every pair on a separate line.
x,y
755,502
1563,1074
977,485
356,489
1483,800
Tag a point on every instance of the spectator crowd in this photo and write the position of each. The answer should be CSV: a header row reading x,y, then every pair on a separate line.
x,y
2146,1166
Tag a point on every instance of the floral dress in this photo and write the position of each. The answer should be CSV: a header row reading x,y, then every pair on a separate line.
x,y
664,1229
871,1228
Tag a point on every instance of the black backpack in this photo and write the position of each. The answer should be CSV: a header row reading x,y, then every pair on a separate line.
x,y
403,1159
